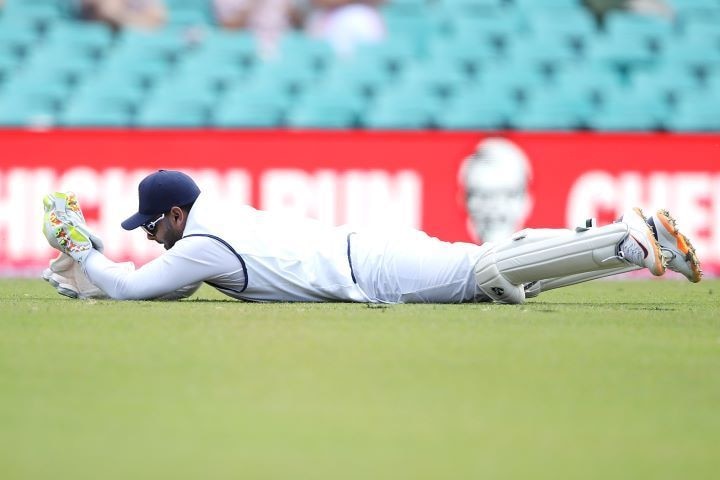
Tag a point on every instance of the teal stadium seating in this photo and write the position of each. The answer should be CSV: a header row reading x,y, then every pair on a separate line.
x,y
38,13
554,109
403,107
189,12
326,107
253,104
696,113
447,64
476,107
29,99
630,110
359,75
103,101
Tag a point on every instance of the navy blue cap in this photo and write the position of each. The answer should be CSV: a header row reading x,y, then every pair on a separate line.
x,y
158,193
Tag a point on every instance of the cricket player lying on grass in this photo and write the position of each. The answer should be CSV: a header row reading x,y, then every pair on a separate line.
x,y
259,256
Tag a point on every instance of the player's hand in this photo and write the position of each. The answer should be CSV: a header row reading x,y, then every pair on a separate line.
x,y
63,285
67,277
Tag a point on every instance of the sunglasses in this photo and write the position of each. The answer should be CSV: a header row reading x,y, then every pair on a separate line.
x,y
150,227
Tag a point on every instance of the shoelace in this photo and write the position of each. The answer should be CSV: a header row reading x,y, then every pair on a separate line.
x,y
631,251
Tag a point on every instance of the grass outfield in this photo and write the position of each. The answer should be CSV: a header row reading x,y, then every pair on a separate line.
x,y
604,381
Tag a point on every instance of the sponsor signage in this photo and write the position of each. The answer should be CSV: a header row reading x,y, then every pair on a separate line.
x,y
456,186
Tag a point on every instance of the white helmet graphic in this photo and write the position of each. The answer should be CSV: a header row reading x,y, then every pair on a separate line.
x,y
495,182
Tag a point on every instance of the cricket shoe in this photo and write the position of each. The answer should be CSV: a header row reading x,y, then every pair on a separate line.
x,y
641,248
675,247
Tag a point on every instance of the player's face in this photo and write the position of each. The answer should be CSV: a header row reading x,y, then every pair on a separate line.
x,y
496,202
164,232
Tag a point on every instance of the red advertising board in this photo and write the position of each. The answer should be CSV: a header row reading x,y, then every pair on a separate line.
x,y
418,179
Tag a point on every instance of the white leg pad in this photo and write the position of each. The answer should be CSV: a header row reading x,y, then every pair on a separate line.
x,y
552,283
494,285
539,254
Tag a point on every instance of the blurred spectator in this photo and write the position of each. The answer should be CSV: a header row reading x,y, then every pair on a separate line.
x,y
649,7
345,24
268,20
147,14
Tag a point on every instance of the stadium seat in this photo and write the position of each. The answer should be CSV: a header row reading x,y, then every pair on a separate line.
x,y
516,79
713,83
476,108
650,30
191,12
533,6
367,77
253,104
437,77
683,7
692,52
16,38
626,110
247,113
143,72
35,84
556,109
705,27
471,7
498,30
89,38
272,95
668,81
391,54
222,46
619,52
589,77
39,13
402,108
162,45
61,63
28,109
219,75
573,25
698,113
549,53
468,53
298,48
171,111
111,88
443,15
409,6
417,28
326,108
290,74
8,65
197,89
90,111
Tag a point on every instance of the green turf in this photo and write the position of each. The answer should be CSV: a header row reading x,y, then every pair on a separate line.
x,y
606,380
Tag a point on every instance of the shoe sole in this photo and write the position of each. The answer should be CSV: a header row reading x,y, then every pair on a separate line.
x,y
683,244
656,252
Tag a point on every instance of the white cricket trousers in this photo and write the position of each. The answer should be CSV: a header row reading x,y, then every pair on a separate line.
x,y
409,266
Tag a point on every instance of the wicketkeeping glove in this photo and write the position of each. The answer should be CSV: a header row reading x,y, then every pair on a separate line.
x,y
64,226
68,278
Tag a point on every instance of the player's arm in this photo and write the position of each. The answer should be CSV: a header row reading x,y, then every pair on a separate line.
x,y
190,262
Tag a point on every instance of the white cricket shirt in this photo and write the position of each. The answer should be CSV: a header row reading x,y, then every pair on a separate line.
x,y
245,253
